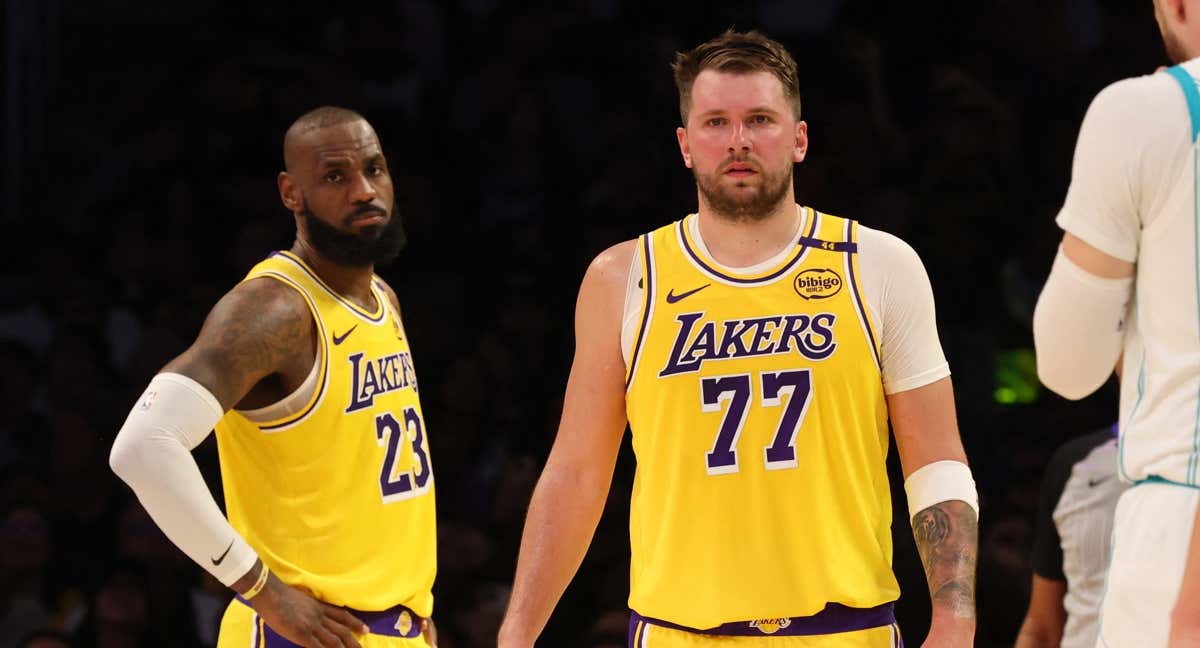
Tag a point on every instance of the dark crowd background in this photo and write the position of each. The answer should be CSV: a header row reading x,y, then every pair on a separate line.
x,y
142,142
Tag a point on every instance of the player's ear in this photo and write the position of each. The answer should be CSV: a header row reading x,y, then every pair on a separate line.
x,y
289,193
801,148
684,150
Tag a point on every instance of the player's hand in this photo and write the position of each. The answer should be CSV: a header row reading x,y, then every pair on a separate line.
x,y
304,620
429,632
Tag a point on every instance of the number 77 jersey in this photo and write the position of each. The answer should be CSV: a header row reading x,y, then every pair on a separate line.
x,y
760,430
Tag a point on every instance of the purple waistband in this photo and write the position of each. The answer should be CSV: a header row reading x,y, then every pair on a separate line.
x,y
398,621
833,619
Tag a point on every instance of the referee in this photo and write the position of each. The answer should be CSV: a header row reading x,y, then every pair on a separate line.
x,y
1072,542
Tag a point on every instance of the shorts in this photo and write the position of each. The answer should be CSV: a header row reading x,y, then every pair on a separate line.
x,y
241,627
1152,529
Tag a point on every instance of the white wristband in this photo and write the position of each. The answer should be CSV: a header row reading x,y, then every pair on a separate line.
x,y
940,481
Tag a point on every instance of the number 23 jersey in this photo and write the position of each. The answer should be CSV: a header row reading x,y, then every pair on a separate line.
x,y
759,425
335,492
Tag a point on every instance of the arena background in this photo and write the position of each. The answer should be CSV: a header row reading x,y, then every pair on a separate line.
x,y
141,143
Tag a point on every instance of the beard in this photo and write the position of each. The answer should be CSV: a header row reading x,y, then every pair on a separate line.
x,y
374,245
728,204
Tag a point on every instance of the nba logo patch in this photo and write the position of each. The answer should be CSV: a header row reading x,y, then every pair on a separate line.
x,y
770,626
404,624
147,400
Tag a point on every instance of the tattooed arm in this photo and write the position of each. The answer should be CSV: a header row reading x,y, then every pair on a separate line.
x,y
947,539
926,430
256,345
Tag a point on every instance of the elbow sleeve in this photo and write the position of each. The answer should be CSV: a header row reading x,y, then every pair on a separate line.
x,y
1077,328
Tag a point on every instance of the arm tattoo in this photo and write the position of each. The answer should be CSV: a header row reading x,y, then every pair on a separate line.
x,y
947,536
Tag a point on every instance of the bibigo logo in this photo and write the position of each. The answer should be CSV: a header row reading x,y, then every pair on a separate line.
x,y
817,283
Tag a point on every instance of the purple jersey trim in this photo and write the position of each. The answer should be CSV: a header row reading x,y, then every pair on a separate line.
x,y
858,303
354,308
801,246
647,309
324,380
833,619
380,623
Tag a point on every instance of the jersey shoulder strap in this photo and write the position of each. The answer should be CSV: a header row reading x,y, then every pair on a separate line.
x,y
1191,93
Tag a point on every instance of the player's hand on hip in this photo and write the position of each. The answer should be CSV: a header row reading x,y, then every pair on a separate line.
x,y
304,620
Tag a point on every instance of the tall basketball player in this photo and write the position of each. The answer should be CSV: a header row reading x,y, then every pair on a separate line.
x,y
1127,280
757,349
304,370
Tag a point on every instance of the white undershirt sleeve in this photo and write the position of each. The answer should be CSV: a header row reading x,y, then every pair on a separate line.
x,y
152,454
898,293
1119,171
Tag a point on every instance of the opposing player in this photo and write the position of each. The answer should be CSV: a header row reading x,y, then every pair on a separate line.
x,y
1126,281
305,372
757,349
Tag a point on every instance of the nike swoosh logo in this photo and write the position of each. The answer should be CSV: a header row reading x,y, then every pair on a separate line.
x,y
217,561
1092,483
672,297
338,339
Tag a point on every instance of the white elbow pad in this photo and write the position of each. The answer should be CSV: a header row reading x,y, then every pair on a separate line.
x,y
940,481
1077,329
152,454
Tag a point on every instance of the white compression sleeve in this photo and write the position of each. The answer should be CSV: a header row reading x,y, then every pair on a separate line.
x,y
1077,328
152,454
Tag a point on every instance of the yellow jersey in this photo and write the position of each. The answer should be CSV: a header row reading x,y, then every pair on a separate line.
x,y
760,431
337,496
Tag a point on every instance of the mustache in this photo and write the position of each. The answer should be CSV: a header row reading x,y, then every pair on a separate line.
x,y
741,159
364,210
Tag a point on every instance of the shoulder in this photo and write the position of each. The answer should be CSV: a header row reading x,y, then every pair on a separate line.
x,y
387,289
262,303
1125,105
887,251
258,314
611,267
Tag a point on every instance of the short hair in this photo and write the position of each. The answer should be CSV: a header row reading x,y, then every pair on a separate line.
x,y
739,53
315,119
322,117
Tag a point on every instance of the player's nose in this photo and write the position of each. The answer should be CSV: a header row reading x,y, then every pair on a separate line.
x,y
362,189
739,137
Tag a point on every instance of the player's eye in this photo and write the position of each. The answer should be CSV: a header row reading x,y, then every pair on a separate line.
x,y
333,177
760,119
716,121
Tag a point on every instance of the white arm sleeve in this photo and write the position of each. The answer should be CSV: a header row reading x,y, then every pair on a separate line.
x,y
899,295
1077,328
152,454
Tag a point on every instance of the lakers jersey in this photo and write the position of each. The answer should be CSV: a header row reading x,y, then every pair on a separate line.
x,y
760,431
336,495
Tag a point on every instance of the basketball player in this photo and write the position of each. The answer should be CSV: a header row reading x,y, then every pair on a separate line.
x,y
1072,542
756,349
305,372
1125,280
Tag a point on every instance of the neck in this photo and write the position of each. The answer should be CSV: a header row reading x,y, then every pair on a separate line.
x,y
351,282
738,243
